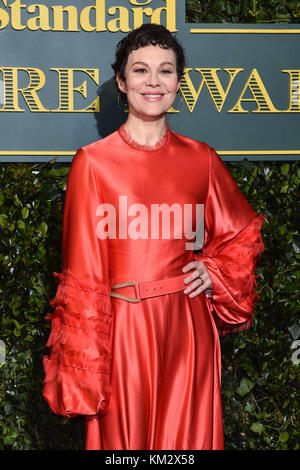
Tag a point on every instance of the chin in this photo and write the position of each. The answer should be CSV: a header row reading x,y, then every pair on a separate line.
x,y
151,113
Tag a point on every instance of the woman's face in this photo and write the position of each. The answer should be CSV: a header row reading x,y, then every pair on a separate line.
x,y
151,81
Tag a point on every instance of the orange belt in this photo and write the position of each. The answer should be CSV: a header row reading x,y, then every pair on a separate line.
x,y
144,290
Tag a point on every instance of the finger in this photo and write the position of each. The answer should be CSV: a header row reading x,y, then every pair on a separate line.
x,y
191,277
189,266
199,281
196,283
202,268
199,290
204,273
196,275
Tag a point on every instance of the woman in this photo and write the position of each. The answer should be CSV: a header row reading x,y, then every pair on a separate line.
x,y
142,361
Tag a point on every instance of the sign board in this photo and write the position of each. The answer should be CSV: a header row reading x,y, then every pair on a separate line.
x,y
240,92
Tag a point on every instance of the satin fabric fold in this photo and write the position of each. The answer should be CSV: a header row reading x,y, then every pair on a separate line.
x,y
77,377
231,269
165,354
161,386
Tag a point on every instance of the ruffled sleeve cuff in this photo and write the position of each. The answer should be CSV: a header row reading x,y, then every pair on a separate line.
x,y
77,372
233,295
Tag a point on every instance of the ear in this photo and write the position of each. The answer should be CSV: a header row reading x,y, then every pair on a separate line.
x,y
178,85
121,83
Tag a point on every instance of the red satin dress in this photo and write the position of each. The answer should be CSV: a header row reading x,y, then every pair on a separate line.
x,y
147,375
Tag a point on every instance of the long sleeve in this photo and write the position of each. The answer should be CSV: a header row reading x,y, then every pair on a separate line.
x,y
77,372
231,249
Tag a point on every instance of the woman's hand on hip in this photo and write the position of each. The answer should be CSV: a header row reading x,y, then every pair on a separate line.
x,y
199,279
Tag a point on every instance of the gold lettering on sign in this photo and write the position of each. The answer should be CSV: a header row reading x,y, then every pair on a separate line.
x,y
4,16
67,89
41,21
188,90
138,15
294,106
260,96
213,84
11,89
140,2
58,18
35,81
16,9
99,13
121,23
169,10
90,18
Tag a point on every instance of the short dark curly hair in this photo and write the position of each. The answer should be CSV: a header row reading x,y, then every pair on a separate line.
x,y
146,35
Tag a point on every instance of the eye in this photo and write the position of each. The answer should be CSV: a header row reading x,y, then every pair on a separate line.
x,y
140,70
166,71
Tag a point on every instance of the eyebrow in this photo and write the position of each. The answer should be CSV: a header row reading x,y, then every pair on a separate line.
x,y
144,63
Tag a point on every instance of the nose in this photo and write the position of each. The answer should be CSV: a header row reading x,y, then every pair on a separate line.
x,y
152,79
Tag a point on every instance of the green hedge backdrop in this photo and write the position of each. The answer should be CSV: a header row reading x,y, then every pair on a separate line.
x,y
260,378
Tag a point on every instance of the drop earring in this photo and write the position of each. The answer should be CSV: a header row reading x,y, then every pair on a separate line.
x,y
123,108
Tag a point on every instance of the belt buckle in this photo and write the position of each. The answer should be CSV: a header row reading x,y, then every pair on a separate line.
x,y
125,297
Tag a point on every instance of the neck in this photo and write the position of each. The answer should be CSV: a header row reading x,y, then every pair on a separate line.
x,y
145,132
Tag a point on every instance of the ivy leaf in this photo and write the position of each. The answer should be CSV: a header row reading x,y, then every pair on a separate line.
x,y
25,212
284,436
285,169
257,427
21,224
245,387
43,227
10,438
